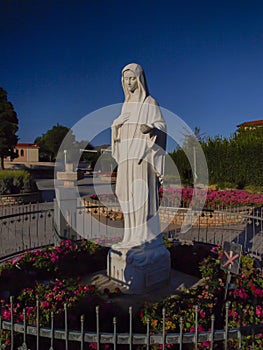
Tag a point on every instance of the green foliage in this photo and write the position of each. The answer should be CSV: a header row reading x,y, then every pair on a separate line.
x,y
50,142
23,276
8,128
254,189
184,168
62,136
16,181
234,162
245,302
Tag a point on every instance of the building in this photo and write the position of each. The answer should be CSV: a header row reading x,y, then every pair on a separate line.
x,y
254,124
27,152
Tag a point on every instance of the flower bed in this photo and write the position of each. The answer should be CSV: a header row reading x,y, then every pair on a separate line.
x,y
214,198
245,302
54,276
68,259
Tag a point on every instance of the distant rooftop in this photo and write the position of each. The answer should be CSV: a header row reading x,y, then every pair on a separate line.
x,y
31,145
252,123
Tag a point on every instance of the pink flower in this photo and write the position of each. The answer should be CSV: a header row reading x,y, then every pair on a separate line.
x,y
199,328
6,314
259,311
45,304
202,313
241,293
16,260
258,292
206,344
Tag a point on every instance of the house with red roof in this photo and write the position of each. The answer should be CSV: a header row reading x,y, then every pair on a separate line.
x,y
27,152
252,125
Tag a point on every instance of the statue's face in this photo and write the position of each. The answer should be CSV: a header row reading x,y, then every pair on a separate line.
x,y
130,80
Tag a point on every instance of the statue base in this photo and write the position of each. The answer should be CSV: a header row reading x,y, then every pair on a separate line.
x,y
140,269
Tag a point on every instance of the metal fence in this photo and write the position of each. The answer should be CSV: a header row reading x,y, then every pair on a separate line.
x,y
25,227
31,226
35,335
243,225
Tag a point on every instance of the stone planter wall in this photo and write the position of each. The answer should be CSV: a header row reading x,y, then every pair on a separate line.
x,y
173,216
177,216
107,178
17,199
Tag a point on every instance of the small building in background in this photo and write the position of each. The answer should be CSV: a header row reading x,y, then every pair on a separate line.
x,y
27,152
252,125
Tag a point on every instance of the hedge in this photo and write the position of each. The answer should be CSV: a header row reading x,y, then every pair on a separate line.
x,y
16,182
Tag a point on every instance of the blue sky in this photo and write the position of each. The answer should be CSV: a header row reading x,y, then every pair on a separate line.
x,y
61,59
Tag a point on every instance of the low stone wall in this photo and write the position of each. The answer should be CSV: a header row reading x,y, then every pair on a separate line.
x,y
205,218
107,178
175,216
16,199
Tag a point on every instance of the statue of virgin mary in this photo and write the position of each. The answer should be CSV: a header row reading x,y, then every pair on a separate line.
x,y
138,146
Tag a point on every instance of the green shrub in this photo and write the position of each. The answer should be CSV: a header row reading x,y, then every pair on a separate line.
x,y
254,189
225,185
16,182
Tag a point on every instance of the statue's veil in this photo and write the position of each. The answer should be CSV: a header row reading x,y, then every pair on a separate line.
x,y
139,73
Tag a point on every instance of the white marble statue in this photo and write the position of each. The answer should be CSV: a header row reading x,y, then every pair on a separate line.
x,y
138,146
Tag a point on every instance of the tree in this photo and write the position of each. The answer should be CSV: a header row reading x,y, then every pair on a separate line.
x,y
8,128
50,142
59,138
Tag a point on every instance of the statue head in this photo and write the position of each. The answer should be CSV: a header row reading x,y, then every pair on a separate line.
x,y
140,83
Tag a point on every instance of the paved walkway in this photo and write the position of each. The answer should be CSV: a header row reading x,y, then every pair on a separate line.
x,y
178,282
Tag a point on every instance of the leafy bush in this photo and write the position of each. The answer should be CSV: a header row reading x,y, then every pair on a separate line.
x,y
54,277
16,182
67,286
245,302
67,259
237,160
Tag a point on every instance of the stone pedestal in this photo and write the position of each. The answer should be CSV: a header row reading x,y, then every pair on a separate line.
x,y
140,269
65,204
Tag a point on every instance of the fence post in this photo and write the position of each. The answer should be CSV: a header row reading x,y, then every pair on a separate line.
x,y
82,318
226,328
98,327
12,321
181,334
148,333
66,325
196,326
38,324
212,332
114,333
254,322
52,330
24,346
130,326
163,312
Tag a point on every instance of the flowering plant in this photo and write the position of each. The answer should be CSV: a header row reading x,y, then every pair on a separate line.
x,y
67,259
64,264
245,301
213,198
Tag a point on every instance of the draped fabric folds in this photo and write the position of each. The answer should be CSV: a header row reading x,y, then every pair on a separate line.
x,y
140,158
